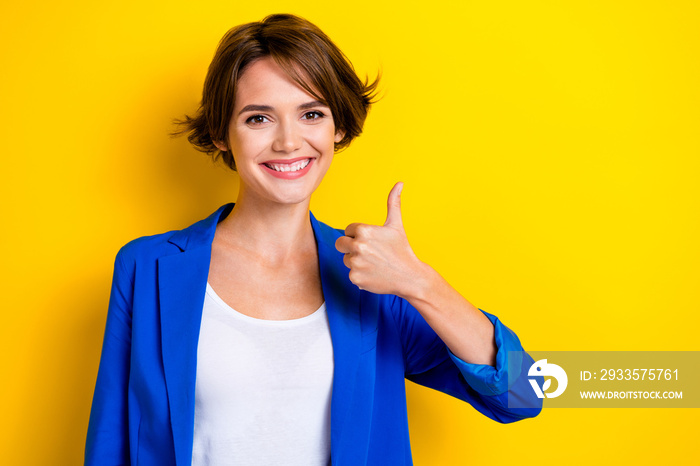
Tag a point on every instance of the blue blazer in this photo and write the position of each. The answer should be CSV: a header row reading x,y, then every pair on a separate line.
x,y
143,406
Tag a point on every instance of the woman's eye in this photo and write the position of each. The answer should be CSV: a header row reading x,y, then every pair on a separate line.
x,y
315,115
257,120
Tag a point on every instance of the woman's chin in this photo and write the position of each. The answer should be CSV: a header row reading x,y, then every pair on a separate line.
x,y
289,198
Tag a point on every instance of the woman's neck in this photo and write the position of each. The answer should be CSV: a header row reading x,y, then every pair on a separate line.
x,y
274,232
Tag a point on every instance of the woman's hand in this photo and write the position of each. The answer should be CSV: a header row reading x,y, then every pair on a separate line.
x,y
379,257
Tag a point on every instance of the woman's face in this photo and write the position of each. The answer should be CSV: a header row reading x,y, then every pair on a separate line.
x,y
280,136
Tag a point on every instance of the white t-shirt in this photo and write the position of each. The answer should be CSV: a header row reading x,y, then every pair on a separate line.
x,y
263,389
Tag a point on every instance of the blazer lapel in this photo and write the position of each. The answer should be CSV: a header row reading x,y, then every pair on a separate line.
x,y
182,282
353,378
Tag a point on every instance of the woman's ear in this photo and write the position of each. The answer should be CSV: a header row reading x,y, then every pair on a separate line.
x,y
339,135
220,145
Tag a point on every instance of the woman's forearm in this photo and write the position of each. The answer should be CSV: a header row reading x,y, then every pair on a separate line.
x,y
466,331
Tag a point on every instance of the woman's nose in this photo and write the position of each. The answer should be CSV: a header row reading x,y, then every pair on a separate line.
x,y
287,138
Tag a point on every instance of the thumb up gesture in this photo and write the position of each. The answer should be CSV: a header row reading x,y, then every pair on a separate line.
x,y
379,257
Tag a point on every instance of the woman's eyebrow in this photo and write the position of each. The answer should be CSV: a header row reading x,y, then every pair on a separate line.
x,y
255,108
315,103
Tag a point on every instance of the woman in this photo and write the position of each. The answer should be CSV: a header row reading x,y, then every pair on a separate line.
x,y
260,335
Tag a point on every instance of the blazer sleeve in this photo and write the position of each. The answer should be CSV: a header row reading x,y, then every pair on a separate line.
x,y
502,393
107,437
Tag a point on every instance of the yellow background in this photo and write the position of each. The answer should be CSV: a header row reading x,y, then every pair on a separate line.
x,y
550,154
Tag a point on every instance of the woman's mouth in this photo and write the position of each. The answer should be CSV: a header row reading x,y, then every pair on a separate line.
x,y
288,169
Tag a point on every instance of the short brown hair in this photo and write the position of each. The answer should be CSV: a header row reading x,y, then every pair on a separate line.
x,y
305,53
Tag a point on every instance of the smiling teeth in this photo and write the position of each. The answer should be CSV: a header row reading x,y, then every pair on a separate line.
x,y
289,167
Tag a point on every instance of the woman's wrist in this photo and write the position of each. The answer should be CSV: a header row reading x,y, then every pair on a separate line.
x,y
421,282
